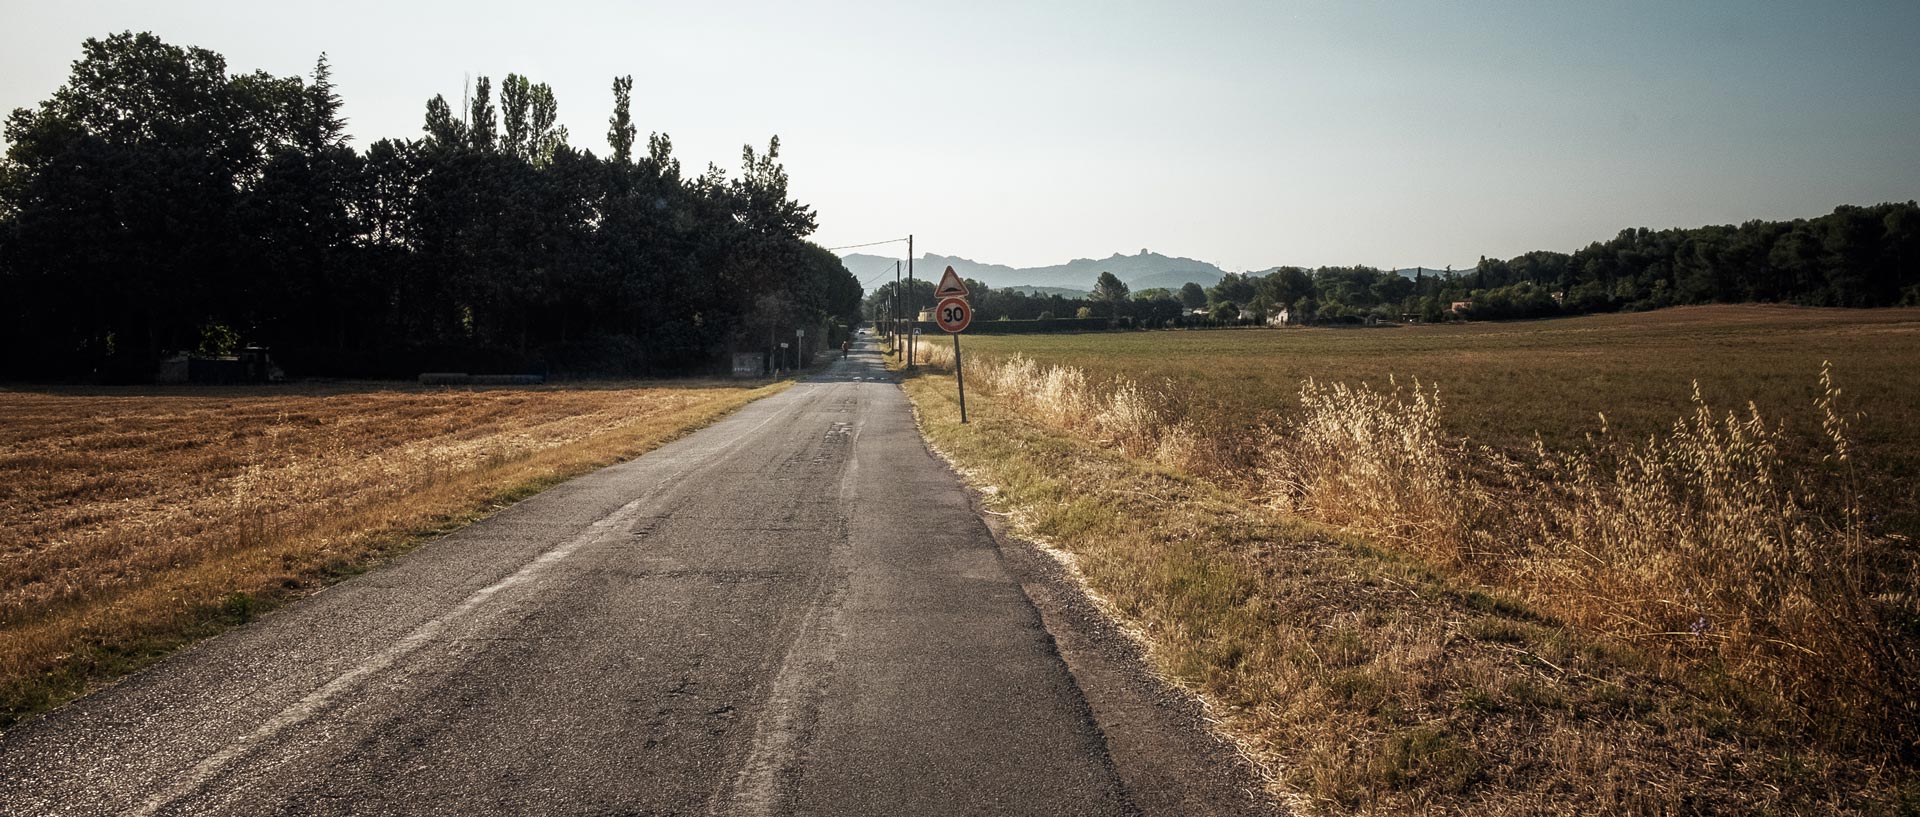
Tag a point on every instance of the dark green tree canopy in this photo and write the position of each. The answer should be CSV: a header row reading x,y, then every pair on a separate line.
x,y
155,201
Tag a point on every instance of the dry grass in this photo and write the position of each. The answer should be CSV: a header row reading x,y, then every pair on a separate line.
x,y
131,522
1508,382
1693,629
1695,545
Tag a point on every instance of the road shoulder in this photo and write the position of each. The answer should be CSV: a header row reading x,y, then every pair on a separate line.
x,y
1159,737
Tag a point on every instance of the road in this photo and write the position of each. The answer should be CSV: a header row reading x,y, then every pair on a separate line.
x,y
797,610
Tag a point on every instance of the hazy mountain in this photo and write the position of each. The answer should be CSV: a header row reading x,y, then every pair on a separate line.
x,y
1142,271
1064,292
1145,270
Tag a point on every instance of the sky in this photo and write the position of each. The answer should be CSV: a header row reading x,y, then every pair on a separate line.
x,y
1245,134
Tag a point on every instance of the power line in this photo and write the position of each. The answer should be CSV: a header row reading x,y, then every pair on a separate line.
x,y
868,244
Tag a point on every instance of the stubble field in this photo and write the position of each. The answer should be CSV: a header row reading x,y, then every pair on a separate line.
x,y
132,521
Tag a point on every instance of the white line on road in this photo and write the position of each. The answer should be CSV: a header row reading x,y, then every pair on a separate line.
x,y
197,777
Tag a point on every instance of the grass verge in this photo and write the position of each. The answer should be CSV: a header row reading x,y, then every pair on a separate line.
x,y
1368,679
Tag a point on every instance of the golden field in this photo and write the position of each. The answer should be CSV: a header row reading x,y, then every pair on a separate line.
x,y
1474,595
134,520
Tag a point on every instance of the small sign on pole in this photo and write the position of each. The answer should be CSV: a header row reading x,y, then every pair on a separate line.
x,y
954,315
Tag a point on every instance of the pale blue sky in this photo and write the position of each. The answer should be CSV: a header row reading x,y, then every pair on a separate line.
x,y
1248,134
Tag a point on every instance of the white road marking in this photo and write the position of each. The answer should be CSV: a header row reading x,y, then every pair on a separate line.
x,y
200,774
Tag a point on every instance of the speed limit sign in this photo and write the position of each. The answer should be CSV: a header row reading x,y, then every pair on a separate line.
x,y
953,315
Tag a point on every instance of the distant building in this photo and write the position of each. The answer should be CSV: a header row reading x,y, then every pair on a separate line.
x,y
1280,317
1461,307
250,365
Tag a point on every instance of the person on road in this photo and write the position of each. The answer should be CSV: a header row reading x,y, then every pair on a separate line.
x,y
845,347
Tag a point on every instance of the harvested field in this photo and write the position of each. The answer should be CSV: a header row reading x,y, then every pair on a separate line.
x,y
131,521
1505,382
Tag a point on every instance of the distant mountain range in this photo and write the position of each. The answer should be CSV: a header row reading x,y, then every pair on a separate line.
x,y
1145,270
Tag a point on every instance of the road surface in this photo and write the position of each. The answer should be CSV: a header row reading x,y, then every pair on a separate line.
x,y
794,611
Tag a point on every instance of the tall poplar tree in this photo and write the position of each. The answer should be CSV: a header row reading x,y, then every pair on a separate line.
x,y
481,122
620,129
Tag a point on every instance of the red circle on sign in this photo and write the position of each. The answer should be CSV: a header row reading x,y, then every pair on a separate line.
x,y
953,315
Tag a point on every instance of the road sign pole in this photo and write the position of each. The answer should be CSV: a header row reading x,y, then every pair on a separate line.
x,y
959,378
954,315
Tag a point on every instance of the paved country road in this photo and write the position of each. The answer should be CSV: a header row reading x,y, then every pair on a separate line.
x,y
794,611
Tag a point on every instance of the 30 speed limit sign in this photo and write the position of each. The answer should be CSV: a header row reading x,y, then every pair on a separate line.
x,y
953,315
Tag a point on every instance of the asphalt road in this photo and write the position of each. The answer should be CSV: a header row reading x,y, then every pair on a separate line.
x,y
797,610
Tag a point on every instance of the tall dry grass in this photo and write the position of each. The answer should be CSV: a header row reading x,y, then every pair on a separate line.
x,y
1703,546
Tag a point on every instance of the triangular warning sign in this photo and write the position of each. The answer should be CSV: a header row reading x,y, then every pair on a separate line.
x,y
950,286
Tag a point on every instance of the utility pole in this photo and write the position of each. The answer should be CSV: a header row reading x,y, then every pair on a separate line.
x,y
915,313
893,327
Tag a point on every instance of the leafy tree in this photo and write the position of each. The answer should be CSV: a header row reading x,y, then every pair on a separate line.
x,y
444,132
1192,295
1110,295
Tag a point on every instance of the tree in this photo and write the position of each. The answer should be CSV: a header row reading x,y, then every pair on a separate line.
x,y
1192,295
320,125
480,117
620,129
515,100
444,132
1109,295
1234,287
120,195
545,138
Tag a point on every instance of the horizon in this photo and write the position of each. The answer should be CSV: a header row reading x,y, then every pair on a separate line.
x,y
1110,256
1244,136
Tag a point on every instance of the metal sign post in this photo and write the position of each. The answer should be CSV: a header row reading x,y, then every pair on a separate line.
x,y
959,377
954,315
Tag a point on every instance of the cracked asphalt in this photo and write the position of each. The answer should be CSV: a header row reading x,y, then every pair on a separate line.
x,y
795,611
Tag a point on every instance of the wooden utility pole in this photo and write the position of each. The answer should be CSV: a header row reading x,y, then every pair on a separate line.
x,y
893,328
913,314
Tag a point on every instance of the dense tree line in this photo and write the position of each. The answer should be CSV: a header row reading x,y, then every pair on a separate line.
x,y
157,203
1853,257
